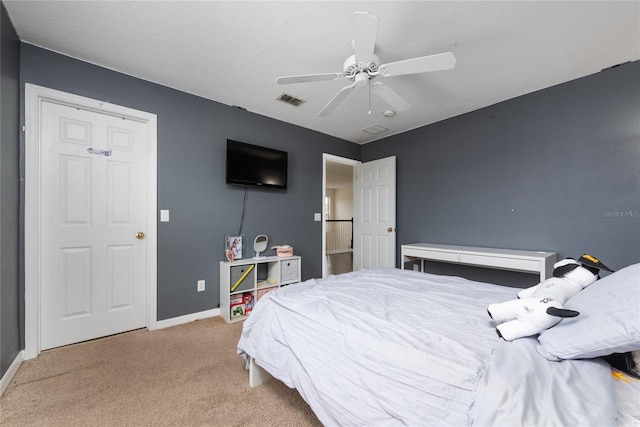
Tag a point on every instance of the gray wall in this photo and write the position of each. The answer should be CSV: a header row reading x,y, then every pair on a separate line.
x,y
555,170
9,193
192,134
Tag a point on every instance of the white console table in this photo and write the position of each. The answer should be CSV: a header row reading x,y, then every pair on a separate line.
x,y
503,259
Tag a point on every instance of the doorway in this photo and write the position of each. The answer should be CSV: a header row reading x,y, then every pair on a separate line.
x,y
337,215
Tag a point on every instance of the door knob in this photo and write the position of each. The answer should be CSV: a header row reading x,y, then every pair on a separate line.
x,y
139,235
391,229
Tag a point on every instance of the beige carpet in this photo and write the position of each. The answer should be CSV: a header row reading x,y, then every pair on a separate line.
x,y
188,375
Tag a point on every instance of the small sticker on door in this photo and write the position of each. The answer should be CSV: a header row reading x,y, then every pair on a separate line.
x,y
99,152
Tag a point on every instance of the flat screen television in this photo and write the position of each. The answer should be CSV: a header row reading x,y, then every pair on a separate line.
x,y
253,165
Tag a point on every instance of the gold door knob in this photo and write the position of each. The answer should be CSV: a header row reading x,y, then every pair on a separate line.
x,y
139,235
390,229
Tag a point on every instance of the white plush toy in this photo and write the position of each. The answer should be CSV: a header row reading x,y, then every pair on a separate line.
x,y
541,306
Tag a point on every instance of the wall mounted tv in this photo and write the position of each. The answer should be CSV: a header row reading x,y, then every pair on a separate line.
x,y
254,165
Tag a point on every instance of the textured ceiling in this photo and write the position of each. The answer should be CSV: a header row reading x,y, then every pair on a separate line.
x,y
233,51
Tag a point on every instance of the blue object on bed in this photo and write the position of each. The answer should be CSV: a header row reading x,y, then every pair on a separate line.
x,y
395,347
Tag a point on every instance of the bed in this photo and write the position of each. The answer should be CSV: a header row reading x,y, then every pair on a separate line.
x,y
394,347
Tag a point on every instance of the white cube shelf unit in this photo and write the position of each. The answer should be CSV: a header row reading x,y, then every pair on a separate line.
x,y
243,282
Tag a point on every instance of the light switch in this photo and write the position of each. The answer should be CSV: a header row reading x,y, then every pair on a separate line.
x,y
164,215
317,216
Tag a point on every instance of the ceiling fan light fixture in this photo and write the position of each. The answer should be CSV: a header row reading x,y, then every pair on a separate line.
x,y
362,79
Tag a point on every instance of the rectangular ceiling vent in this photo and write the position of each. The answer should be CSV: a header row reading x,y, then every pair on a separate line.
x,y
375,129
291,100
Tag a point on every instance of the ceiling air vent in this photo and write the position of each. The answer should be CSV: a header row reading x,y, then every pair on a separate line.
x,y
291,100
375,129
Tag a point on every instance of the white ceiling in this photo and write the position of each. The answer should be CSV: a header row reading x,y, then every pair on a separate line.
x,y
233,51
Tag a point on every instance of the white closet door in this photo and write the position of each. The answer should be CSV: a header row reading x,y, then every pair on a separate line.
x,y
93,200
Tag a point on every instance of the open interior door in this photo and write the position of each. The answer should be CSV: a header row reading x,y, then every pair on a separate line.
x,y
374,211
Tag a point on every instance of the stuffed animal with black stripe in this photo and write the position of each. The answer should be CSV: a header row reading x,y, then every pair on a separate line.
x,y
541,306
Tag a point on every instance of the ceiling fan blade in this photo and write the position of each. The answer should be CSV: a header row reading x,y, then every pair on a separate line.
x,y
423,64
390,97
365,38
308,78
340,96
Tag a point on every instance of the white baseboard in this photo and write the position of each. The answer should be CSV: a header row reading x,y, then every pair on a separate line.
x,y
11,372
181,320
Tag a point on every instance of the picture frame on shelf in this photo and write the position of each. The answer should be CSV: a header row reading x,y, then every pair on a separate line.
x,y
233,248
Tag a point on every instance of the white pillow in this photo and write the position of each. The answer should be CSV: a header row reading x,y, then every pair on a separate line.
x,y
609,320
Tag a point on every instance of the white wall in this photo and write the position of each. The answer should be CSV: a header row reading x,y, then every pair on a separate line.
x,y
331,195
343,203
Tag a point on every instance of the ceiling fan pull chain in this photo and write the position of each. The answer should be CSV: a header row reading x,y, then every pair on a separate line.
x,y
369,97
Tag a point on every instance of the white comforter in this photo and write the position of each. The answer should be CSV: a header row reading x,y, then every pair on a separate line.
x,y
394,347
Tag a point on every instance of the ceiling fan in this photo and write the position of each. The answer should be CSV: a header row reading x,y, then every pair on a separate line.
x,y
364,66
